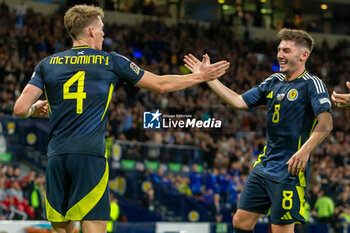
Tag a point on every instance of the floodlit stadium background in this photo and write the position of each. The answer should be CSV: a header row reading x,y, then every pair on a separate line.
x,y
161,177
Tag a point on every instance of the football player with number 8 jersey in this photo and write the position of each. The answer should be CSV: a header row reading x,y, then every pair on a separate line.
x,y
298,119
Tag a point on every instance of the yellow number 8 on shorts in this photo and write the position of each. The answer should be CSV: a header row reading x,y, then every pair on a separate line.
x,y
287,201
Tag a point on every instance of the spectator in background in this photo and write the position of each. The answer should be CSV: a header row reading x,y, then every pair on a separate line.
x,y
37,193
211,180
196,181
21,11
208,197
216,208
344,217
220,161
223,180
16,172
9,173
28,183
160,179
2,189
15,191
148,200
324,208
3,142
182,184
313,195
234,189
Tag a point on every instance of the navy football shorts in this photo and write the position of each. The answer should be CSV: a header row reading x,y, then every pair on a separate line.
x,y
77,188
285,201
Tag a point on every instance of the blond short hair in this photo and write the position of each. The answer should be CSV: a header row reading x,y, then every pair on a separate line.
x,y
80,16
300,37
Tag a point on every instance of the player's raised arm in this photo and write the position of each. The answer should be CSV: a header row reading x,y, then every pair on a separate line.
x,y
226,94
168,83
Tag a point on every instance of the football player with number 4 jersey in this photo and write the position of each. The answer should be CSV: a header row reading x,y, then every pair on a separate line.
x,y
298,119
78,85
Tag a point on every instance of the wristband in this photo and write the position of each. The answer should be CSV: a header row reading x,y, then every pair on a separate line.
x,y
31,110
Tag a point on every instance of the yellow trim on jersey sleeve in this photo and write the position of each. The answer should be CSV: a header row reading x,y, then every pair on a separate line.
x,y
52,215
110,93
301,194
85,205
259,158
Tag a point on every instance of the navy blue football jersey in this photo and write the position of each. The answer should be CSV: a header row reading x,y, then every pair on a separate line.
x,y
78,84
292,111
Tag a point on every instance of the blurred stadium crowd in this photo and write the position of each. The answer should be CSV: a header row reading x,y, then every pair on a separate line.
x,y
21,197
229,152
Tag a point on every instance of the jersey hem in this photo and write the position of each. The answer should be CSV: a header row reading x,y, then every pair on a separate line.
x,y
266,176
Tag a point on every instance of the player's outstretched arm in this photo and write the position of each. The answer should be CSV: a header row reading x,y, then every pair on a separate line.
x,y
226,94
342,100
169,83
299,160
27,104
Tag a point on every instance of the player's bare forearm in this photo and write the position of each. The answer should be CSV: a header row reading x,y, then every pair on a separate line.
x,y
171,83
299,160
168,83
24,104
321,131
227,95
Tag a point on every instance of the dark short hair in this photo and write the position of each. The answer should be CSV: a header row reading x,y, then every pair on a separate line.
x,y
300,37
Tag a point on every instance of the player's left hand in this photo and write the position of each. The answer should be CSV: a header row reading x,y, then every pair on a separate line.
x,y
41,108
298,162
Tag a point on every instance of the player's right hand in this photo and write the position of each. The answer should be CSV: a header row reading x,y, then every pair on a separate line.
x,y
297,163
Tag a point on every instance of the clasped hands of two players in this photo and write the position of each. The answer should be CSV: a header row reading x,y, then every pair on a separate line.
x,y
297,162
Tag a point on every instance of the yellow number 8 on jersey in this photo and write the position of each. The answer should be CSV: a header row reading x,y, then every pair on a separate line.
x,y
276,114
